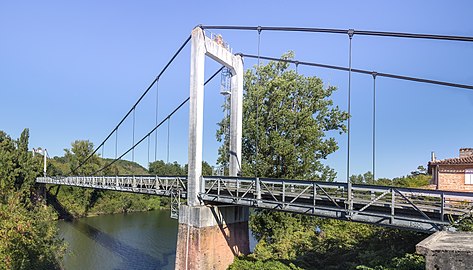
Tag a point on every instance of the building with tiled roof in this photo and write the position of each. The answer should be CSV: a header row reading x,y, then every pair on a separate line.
x,y
454,174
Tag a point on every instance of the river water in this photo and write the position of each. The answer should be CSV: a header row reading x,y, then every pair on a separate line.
x,y
143,240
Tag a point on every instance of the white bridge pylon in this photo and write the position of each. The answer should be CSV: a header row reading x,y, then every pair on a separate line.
x,y
202,46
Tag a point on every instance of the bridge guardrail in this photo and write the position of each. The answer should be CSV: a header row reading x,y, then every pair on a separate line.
x,y
413,208
421,209
155,185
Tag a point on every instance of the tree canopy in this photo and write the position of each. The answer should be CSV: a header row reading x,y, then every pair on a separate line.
x,y
161,168
77,155
287,117
27,237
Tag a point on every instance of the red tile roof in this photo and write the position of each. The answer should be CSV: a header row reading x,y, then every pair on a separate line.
x,y
453,161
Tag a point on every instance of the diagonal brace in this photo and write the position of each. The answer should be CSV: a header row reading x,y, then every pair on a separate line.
x,y
270,193
372,202
415,207
298,195
328,196
211,186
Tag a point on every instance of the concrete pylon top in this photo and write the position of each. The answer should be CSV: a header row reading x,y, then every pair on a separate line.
x,y
447,251
446,241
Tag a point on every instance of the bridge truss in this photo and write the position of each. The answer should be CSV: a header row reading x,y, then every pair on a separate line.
x,y
405,208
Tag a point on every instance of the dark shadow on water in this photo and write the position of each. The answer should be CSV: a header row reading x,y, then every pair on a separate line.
x,y
132,258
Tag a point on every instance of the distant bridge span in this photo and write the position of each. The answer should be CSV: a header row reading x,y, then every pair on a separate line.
x,y
405,208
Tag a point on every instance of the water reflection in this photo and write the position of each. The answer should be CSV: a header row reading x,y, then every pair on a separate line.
x,y
132,257
132,241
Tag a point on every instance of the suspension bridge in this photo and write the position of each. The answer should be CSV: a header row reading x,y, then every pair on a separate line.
x,y
223,201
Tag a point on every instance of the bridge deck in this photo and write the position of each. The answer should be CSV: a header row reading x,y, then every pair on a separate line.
x,y
415,209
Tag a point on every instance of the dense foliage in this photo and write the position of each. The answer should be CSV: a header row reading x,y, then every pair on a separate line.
x,y
287,119
287,116
27,236
159,167
317,243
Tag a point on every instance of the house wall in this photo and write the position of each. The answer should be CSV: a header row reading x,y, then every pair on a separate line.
x,y
452,177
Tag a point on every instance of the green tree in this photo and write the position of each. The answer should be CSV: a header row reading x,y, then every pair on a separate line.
x,y
77,156
207,170
27,237
80,200
287,117
366,178
161,168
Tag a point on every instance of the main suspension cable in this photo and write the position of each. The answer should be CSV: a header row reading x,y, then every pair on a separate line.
x,y
156,127
341,31
136,103
144,137
378,74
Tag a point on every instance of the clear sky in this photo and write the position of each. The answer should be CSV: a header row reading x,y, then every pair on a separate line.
x,y
71,70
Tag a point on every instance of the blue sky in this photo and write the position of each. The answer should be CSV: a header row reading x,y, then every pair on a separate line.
x,y
71,70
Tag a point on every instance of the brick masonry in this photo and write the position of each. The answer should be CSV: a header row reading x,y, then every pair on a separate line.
x,y
211,247
452,177
211,237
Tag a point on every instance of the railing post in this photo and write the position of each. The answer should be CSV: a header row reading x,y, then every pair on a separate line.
x,y
202,184
442,206
393,201
283,192
258,189
218,186
237,187
350,198
315,196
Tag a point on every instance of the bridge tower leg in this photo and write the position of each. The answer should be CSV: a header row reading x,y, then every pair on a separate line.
x,y
209,237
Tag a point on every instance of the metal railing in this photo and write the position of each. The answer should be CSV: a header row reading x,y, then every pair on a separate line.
x,y
416,209
218,39
410,208
154,185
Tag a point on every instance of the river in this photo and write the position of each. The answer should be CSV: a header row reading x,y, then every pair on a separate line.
x,y
143,240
